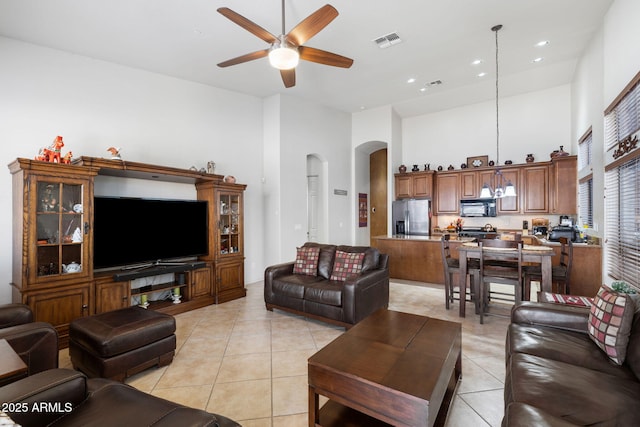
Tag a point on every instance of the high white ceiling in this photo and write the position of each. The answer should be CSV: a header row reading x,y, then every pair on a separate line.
x,y
440,39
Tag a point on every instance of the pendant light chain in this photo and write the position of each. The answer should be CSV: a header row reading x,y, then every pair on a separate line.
x,y
496,29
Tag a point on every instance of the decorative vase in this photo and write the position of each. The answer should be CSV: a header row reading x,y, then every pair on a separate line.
x,y
402,169
530,158
463,166
559,153
415,168
492,163
439,168
450,168
508,162
427,166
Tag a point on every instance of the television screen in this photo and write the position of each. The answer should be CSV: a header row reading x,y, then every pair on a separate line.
x,y
131,231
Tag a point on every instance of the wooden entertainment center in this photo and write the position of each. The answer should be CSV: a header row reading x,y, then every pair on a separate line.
x,y
53,243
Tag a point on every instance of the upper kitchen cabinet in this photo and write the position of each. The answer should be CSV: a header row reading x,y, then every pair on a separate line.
x,y
535,194
447,193
563,188
417,185
511,205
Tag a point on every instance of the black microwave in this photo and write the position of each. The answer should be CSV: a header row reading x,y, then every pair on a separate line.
x,y
478,207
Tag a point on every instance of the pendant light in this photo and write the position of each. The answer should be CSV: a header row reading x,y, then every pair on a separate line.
x,y
502,189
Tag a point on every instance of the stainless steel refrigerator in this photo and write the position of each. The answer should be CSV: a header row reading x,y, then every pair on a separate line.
x,y
412,216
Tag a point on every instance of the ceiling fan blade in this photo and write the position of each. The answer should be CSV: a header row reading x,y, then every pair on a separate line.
x,y
324,57
312,24
245,58
248,25
288,77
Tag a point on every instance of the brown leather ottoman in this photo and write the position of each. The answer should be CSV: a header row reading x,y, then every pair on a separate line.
x,y
120,343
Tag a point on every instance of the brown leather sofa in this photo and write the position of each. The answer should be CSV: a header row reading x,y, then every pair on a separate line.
x,y
63,397
341,303
557,376
35,342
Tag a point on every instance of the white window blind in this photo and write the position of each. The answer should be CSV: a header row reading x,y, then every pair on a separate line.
x,y
623,221
622,183
585,190
623,120
585,146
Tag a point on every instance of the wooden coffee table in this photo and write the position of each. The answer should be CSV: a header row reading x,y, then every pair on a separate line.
x,y
392,368
11,365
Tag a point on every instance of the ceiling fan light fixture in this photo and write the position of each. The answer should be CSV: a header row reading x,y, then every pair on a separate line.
x,y
283,56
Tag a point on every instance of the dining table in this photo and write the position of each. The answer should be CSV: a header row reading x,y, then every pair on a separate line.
x,y
531,254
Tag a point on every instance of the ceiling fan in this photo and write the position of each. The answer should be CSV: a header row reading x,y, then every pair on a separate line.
x,y
287,49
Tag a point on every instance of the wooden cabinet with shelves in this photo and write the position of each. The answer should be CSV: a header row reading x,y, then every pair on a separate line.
x,y
52,265
52,239
414,185
226,206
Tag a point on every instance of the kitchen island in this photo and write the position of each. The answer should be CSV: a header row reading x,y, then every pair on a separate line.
x,y
419,258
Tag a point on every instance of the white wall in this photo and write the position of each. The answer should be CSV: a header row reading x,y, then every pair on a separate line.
x,y
536,122
307,128
153,118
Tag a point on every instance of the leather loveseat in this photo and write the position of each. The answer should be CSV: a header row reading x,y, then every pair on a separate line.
x,y
557,376
315,295
63,397
35,342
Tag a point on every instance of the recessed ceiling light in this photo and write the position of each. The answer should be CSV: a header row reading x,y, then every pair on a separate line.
x,y
477,62
482,74
539,59
423,89
542,43
411,80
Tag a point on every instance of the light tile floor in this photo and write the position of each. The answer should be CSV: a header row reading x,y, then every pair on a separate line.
x,y
242,361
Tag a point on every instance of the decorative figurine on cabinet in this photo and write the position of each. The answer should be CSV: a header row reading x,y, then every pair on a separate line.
x,y
115,153
52,153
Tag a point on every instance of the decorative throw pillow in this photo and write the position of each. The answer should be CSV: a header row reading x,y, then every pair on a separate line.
x,y
306,261
610,321
346,264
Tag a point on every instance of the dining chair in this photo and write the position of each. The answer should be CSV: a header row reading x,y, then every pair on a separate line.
x,y
560,274
492,251
451,267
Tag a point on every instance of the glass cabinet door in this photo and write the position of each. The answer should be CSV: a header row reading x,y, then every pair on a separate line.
x,y
59,228
229,225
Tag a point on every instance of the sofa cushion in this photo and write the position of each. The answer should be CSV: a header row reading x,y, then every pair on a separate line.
x,y
574,393
293,285
575,348
326,292
346,265
306,261
371,256
325,259
633,348
610,320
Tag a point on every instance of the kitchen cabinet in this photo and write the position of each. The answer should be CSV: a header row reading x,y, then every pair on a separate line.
x,y
469,185
535,189
414,185
563,188
448,193
510,205
201,281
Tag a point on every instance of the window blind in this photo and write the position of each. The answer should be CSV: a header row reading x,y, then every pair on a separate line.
x,y
623,221
585,145
585,190
622,187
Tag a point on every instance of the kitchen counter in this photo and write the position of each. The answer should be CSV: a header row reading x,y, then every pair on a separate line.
x,y
419,258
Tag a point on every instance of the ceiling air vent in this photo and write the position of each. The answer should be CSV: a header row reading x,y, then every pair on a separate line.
x,y
387,40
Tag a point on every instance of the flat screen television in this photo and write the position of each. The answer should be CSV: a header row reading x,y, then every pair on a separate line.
x,y
129,232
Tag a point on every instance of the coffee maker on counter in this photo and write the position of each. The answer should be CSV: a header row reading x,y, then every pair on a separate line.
x,y
566,228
